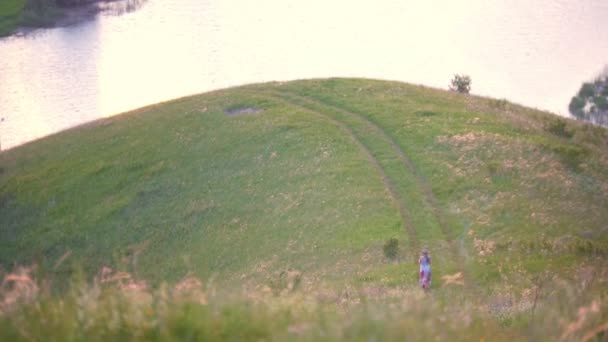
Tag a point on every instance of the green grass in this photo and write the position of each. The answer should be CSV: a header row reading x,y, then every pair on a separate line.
x,y
313,179
10,11
16,14
11,7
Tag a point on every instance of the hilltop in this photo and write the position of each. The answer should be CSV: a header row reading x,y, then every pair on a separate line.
x,y
248,184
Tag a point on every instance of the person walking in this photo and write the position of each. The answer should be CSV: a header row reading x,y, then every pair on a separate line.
x,y
425,269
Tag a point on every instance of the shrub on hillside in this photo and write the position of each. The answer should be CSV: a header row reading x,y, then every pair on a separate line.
x,y
461,84
558,127
500,104
391,248
570,155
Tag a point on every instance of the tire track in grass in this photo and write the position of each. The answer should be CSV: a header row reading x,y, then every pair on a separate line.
x,y
422,182
408,225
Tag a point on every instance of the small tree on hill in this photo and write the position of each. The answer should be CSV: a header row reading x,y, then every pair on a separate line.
x,y
591,101
461,84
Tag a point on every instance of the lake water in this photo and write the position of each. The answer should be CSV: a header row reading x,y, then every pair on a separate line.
x,y
532,52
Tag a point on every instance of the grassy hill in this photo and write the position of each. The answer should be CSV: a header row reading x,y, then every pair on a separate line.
x,y
290,190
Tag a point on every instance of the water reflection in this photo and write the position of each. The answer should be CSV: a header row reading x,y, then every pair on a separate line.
x,y
120,7
536,53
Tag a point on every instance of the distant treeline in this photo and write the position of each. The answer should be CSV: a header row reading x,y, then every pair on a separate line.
x,y
67,3
41,13
60,3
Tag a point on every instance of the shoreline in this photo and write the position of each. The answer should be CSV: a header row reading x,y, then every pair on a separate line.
x,y
70,15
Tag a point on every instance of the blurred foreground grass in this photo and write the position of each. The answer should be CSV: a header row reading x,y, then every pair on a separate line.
x,y
117,307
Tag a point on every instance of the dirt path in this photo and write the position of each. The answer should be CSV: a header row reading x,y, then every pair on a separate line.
x,y
407,163
398,201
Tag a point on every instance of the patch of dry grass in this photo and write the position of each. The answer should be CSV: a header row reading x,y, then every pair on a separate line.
x,y
117,305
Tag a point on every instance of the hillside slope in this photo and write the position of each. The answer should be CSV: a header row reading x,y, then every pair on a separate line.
x,y
241,184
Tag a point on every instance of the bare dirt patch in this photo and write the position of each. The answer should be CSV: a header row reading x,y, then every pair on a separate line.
x,y
242,111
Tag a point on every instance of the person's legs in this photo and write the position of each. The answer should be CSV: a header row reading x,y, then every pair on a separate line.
x,y
427,277
421,280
